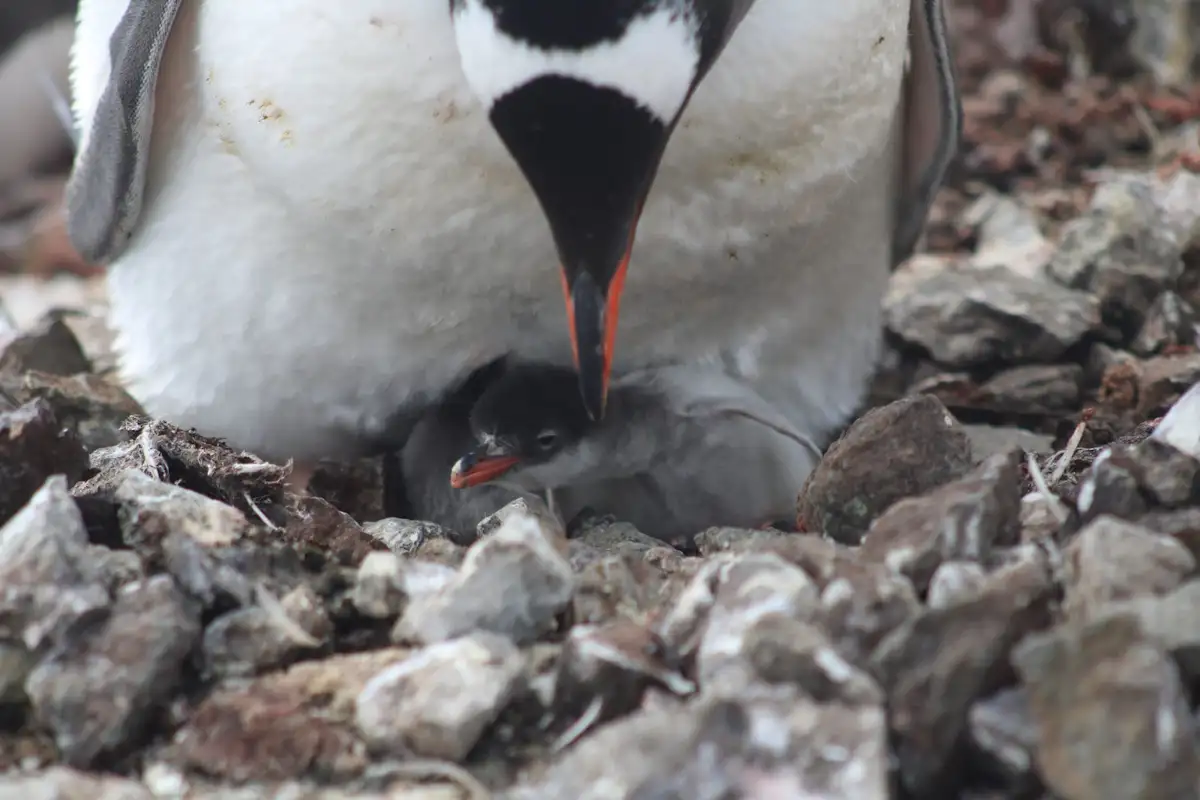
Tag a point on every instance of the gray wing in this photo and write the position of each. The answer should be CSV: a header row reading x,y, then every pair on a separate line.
x,y
932,122
104,195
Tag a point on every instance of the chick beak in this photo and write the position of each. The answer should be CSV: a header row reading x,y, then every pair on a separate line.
x,y
481,465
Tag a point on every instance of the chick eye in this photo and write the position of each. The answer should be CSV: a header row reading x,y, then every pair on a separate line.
x,y
547,439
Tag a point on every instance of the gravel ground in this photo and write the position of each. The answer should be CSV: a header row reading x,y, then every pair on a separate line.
x,y
991,595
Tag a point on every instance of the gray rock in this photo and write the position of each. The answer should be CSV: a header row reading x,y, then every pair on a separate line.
x,y
49,581
514,582
1112,559
1002,729
783,650
603,672
1121,252
967,318
1170,321
149,510
405,536
90,407
775,745
62,783
613,537
1112,716
990,440
1171,622
861,605
962,520
1180,427
918,440
1162,39
438,702
266,636
97,693
955,654
384,583
1109,488
631,586
955,582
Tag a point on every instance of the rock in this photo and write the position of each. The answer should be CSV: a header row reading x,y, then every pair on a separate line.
x,y
990,440
405,536
1183,525
1112,559
48,582
611,537
1163,379
1170,477
514,582
632,587
1170,322
777,745
1031,389
384,583
747,589
62,783
1180,427
962,520
1002,730
1112,717
919,441
1162,38
861,605
1109,488
438,702
284,725
313,522
49,347
355,487
719,540
272,634
603,672
955,582
968,318
34,446
99,691
955,654
1170,621
150,510
87,405
1120,252
781,649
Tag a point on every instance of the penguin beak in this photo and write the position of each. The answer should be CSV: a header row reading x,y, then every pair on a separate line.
x,y
593,306
590,154
481,465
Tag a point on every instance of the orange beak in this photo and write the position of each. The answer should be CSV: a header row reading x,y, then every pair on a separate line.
x,y
472,471
592,315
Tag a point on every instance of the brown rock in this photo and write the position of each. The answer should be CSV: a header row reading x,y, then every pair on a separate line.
x,y
1163,379
782,649
1113,719
49,346
962,520
284,725
1112,559
266,636
90,406
98,693
34,446
903,449
621,587
1032,389
1169,322
313,522
861,604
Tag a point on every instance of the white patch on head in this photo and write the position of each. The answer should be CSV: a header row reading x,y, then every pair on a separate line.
x,y
654,63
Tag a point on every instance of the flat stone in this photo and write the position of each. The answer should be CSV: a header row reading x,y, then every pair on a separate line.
x,y
967,318
1112,716
149,510
404,537
98,693
1112,559
438,702
1031,389
316,523
514,582
962,520
902,449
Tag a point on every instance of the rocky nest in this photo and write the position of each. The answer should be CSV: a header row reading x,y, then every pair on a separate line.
x,y
992,593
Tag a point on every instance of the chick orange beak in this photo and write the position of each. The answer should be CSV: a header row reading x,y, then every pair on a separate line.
x,y
472,470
